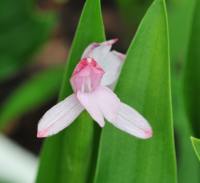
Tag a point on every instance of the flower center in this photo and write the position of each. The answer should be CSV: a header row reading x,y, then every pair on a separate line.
x,y
86,76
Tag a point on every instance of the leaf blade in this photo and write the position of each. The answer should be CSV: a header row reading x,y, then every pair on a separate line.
x,y
180,19
196,146
192,74
147,88
73,148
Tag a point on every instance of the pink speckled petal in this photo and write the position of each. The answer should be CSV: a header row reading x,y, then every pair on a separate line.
x,y
59,116
130,121
88,100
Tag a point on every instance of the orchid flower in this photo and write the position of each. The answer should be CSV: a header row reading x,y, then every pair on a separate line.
x,y
92,82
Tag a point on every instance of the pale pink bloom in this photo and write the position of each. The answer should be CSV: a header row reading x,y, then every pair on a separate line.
x,y
92,82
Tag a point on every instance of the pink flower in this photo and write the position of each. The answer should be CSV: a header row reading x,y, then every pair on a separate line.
x,y
92,82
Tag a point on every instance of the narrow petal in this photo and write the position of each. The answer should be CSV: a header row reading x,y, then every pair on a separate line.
x,y
130,121
88,100
112,65
59,117
98,50
108,102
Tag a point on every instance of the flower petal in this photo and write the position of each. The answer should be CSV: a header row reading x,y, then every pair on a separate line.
x,y
112,65
108,102
110,61
130,121
98,51
59,117
88,100
120,56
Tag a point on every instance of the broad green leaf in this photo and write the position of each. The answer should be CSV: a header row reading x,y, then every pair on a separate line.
x,y
191,91
192,74
35,91
196,146
180,22
145,85
68,156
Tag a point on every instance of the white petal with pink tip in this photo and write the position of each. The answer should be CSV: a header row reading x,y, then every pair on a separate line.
x,y
130,121
60,116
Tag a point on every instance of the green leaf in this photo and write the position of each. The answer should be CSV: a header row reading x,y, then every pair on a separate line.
x,y
196,146
192,74
180,18
145,85
69,156
191,92
35,91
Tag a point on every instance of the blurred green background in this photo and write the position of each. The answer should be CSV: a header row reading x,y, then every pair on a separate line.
x,y
35,37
